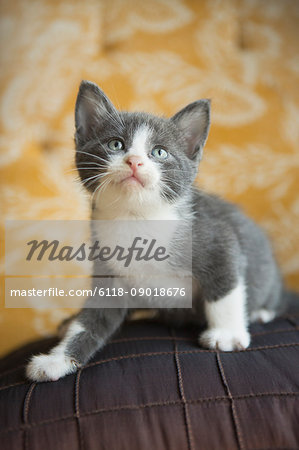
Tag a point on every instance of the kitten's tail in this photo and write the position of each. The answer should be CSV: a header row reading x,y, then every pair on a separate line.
x,y
292,301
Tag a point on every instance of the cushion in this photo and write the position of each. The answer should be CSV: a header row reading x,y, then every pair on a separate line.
x,y
153,387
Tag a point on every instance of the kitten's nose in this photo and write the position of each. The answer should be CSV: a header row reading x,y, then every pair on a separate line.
x,y
134,162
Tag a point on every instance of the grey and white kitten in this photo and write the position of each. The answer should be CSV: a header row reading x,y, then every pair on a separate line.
x,y
148,165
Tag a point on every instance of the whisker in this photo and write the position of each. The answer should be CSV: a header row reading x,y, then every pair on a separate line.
x,y
165,178
91,154
91,178
98,177
95,163
93,181
167,199
82,168
175,170
100,188
171,180
169,188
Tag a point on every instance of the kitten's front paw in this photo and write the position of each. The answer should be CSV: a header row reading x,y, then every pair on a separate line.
x,y
224,339
50,367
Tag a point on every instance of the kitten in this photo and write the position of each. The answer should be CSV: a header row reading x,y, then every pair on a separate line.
x,y
148,165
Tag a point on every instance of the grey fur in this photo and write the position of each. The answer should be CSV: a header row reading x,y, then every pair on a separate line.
x,y
227,245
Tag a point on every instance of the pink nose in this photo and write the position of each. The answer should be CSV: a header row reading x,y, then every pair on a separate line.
x,y
134,162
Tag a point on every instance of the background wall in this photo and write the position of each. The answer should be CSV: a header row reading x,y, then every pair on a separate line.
x,y
156,56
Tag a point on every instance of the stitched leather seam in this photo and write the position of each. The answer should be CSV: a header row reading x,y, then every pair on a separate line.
x,y
182,395
188,352
180,352
166,338
26,412
151,405
236,421
77,406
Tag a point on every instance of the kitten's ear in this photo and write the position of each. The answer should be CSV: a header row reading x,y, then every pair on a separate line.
x,y
91,106
194,121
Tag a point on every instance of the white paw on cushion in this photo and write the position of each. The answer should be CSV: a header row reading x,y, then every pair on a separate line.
x,y
225,339
50,367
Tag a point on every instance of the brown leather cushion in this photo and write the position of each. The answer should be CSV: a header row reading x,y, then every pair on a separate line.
x,y
153,387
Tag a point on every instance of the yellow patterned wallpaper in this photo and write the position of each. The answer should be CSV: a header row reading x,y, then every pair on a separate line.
x,y
154,55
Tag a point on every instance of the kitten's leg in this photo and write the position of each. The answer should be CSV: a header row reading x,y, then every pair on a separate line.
x,y
57,363
64,326
227,321
86,334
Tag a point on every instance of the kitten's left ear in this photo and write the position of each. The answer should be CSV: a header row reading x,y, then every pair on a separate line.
x,y
194,121
92,106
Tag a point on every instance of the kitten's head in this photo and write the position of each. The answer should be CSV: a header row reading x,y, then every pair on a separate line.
x,y
137,158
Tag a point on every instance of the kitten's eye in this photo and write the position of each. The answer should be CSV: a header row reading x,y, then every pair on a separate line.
x,y
115,144
159,153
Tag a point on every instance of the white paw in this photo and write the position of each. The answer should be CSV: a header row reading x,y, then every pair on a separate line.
x,y
262,315
224,339
50,367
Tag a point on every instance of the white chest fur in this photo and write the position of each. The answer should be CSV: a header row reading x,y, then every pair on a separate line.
x,y
154,229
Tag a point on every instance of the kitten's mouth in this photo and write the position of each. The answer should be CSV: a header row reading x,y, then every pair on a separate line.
x,y
132,180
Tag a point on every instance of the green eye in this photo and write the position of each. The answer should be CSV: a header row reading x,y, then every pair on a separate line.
x,y
159,153
115,144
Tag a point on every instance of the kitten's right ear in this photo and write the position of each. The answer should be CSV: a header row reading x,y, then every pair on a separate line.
x,y
92,105
194,122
